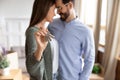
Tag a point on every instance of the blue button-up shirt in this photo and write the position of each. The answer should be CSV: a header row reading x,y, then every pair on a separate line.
x,y
76,43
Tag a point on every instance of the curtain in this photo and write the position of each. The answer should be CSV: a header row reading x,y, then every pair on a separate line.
x,y
97,25
78,7
112,43
112,39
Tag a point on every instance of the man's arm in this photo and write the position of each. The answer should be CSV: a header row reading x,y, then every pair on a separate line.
x,y
89,56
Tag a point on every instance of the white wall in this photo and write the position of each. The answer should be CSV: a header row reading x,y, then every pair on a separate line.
x,y
14,19
16,8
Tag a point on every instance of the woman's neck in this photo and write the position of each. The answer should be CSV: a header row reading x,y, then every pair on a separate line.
x,y
41,24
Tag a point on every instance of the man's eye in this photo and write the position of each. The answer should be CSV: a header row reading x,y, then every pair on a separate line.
x,y
59,8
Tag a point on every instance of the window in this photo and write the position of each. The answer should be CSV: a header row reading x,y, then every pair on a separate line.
x,y
88,12
103,23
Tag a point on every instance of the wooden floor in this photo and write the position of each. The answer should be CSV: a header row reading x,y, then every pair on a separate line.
x,y
96,77
92,77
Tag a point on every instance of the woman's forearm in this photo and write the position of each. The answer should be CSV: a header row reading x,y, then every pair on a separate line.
x,y
38,54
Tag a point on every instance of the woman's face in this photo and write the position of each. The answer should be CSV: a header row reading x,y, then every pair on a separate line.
x,y
51,13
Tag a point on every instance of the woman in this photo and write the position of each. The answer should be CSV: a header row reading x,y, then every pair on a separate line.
x,y
38,48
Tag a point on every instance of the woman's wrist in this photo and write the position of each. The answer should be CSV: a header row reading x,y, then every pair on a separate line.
x,y
38,54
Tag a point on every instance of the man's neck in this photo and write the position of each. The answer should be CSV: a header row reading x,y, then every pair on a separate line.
x,y
71,17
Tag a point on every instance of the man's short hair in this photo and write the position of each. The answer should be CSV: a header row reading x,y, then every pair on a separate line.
x,y
67,1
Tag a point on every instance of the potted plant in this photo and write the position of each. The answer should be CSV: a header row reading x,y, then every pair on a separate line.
x,y
4,63
96,69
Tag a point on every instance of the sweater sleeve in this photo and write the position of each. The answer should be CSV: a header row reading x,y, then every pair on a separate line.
x,y
35,68
89,56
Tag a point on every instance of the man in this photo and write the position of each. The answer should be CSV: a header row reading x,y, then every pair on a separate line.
x,y
75,41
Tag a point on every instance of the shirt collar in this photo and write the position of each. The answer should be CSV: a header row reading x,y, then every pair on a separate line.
x,y
71,22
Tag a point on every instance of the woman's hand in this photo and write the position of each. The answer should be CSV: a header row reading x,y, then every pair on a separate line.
x,y
41,43
41,38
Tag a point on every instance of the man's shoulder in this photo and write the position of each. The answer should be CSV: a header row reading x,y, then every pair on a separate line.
x,y
56,20
55,23
83,26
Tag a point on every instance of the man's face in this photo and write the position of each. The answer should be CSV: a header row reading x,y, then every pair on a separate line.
x,y
62,10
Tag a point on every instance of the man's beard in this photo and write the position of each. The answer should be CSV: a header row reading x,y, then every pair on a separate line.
x,y
64,16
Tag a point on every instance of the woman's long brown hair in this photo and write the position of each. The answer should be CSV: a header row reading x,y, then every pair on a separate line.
x,y
40,11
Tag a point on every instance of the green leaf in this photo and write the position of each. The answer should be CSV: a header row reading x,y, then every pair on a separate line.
x,y
96,69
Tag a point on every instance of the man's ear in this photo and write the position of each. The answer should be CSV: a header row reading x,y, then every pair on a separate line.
x,y
70,4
